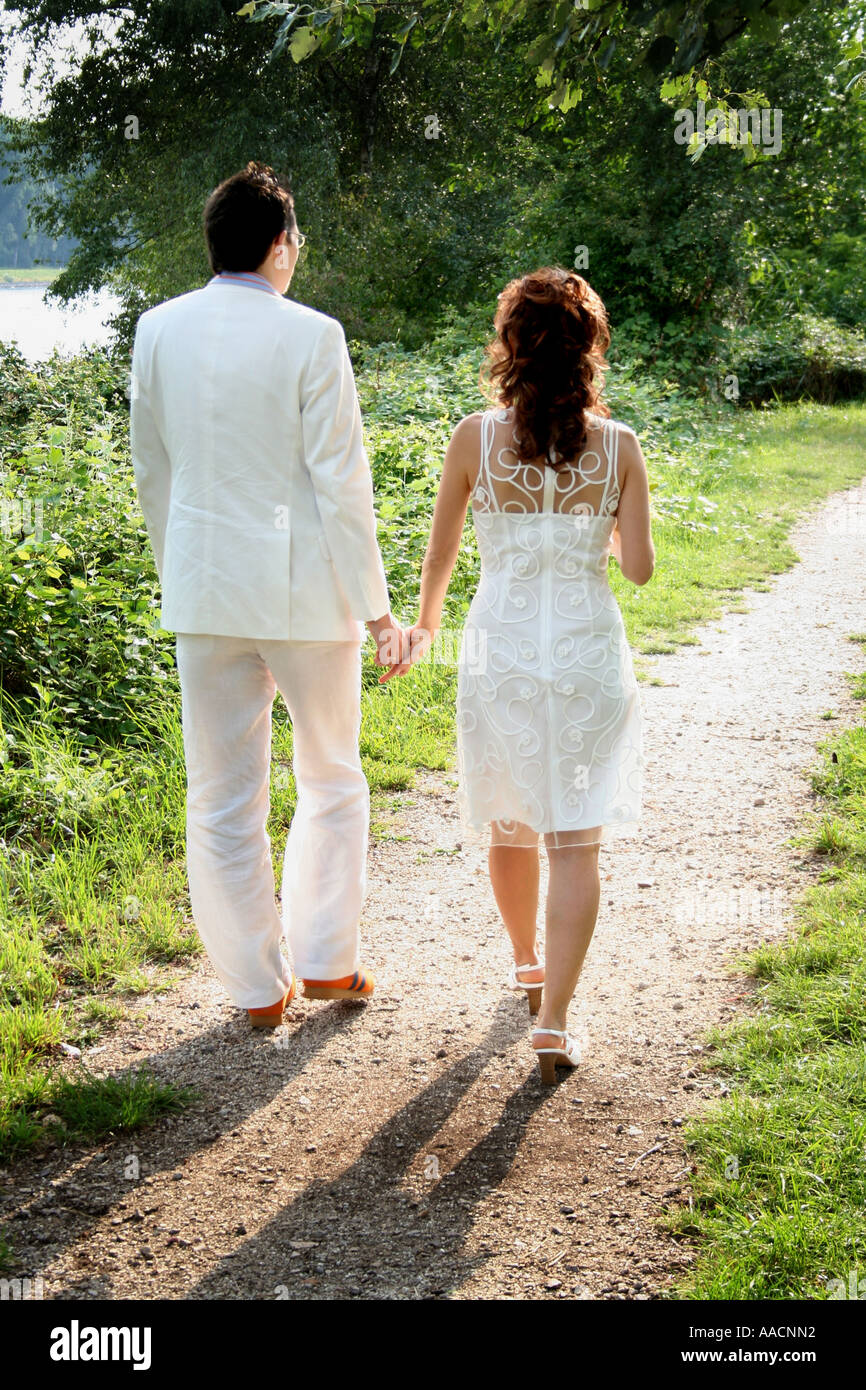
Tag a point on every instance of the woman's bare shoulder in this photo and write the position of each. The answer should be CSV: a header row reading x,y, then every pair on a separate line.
x,y
468,430
599,422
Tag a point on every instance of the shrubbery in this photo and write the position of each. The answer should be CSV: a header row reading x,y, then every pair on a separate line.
x,y
78,589
802,357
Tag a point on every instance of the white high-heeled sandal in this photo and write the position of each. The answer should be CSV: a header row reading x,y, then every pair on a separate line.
x,y
549,1058
533,988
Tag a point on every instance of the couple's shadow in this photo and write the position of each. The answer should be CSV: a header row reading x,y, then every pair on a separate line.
x,y
363,1231
395,1221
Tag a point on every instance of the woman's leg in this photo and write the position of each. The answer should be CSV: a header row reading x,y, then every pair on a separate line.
x,y
514,873
572,908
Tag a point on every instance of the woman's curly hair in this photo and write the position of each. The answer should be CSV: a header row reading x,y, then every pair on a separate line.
x,y
546,361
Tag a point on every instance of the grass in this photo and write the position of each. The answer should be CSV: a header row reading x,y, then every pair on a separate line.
x,y
779,1192
70,1110
773,471
29,275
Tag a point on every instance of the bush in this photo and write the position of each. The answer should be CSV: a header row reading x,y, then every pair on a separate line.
x,y
79,639
804,357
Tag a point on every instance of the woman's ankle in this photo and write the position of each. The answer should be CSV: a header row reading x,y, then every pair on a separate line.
x,y
551,1022
526,956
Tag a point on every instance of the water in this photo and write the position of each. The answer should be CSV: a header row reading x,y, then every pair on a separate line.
x,y
38,327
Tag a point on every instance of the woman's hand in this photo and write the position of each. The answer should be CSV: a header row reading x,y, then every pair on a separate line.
x,y
421,639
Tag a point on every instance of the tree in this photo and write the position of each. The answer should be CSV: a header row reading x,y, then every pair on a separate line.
x,y
559,38
427,173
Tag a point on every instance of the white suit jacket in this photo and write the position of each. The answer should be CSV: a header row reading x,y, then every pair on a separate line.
x,y
250,467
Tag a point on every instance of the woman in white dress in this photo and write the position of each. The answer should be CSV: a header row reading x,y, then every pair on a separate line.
x,y
548,712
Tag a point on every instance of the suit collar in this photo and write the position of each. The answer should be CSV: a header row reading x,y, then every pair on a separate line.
x,y
250,279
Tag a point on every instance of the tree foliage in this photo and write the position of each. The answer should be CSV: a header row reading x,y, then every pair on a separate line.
x,y
431,157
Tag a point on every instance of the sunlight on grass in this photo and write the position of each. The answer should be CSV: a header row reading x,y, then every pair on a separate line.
x,y
780,1188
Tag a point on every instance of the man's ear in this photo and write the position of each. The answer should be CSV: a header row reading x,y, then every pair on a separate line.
x,y
280,249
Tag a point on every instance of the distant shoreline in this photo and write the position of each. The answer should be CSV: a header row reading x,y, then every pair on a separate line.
x,y
28,277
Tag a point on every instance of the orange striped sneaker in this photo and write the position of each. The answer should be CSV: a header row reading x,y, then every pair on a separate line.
x,y
272,1016
357,986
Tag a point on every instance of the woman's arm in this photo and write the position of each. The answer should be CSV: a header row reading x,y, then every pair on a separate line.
x,y
632,545
449,515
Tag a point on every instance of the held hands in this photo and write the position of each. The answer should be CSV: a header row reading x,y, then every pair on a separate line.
x,y
398,648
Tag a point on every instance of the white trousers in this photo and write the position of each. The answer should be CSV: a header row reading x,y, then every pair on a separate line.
x,y
228,686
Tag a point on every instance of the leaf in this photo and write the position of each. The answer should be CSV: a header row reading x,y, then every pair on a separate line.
x,y
562,38
573,96
266,11
249,9
606,55
283,34
303,44
539,50
405,29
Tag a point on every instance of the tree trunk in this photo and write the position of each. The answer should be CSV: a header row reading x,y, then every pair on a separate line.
x,y
368,97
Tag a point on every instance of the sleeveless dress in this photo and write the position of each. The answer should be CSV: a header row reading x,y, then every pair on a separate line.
x,y
548,711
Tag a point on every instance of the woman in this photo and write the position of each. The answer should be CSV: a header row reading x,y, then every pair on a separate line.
x,y
548,713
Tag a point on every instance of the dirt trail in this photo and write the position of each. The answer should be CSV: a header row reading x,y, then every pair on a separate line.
x,y
407,1149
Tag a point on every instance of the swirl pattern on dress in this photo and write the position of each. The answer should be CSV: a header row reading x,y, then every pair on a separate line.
x,y
548,713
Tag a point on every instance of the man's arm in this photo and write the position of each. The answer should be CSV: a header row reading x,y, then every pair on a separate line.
x,y
150,461
334,453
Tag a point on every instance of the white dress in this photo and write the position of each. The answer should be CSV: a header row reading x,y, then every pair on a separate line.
x,y
548,710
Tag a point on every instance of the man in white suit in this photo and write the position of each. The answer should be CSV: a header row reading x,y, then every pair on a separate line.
x,y
256,490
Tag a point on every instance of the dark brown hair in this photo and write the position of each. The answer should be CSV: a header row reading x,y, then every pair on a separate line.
x,y
547,359
244,216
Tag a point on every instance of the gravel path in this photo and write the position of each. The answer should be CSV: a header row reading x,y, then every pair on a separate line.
x,y
406,1149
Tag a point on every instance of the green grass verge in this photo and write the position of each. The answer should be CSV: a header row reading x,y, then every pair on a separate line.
x,y
66,1108
779,1192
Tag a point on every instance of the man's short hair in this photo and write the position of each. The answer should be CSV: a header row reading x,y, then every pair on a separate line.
x,y
244,216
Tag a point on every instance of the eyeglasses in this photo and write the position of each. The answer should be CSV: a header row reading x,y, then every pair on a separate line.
x,y
298,238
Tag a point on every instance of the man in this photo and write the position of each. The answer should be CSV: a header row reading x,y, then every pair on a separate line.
x,y
256,490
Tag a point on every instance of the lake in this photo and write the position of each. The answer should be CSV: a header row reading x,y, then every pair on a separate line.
x,y
38,327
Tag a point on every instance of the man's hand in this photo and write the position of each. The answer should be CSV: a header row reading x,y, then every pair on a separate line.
x,y
392,646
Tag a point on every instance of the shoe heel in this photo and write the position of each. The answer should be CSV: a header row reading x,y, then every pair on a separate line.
x,y
548,1068
534,997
